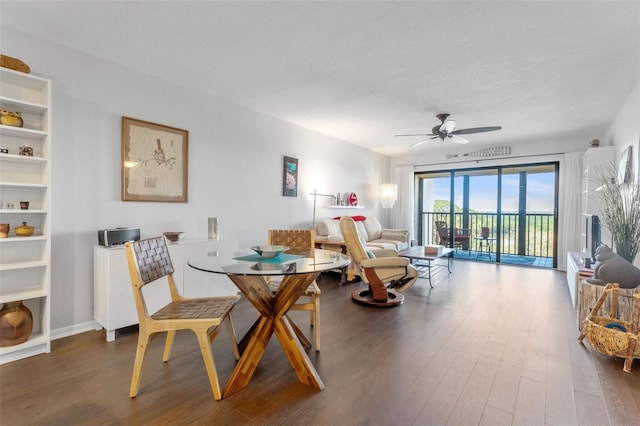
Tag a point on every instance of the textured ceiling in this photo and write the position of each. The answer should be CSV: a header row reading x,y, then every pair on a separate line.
x,y
364,71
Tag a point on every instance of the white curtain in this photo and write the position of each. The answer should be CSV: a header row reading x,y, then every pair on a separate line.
x,y
570,219
403,211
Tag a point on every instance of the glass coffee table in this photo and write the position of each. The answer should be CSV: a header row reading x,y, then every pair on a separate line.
x,y
424,261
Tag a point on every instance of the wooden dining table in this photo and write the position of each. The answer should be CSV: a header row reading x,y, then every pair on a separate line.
x,y
250,273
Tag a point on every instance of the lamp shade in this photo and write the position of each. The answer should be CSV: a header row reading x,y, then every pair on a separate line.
x,y
388,194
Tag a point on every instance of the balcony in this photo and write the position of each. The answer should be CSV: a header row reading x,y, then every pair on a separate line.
x,y
521,239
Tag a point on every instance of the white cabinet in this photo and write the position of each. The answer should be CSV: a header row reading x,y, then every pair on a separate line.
x,y
113,305
576,272
25,271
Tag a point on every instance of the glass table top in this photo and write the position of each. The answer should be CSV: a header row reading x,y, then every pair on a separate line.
x,y
247,262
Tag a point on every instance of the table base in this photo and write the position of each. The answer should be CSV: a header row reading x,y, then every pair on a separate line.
x,y
272,320
424,262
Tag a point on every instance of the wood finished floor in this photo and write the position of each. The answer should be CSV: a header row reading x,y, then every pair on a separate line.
x,y
489,345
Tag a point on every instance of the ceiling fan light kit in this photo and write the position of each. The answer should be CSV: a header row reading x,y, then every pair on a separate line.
x,y
446,131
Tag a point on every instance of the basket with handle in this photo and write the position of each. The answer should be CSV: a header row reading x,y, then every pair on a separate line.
x,y
612,336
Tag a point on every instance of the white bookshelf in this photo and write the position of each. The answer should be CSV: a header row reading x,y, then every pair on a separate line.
x,y
25,262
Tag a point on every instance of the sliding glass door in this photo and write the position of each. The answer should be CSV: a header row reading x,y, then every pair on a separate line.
x,y
528,214
498,214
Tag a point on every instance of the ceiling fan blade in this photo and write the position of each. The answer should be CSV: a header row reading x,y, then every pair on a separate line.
x,y
421,142
448,126
457,139
414,134
476,130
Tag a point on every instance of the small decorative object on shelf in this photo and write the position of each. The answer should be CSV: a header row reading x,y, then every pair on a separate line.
x,y
24,205
173,236
214,233
4,230
25,150
4,150
24,230
16,324
14,64
11,118
353,199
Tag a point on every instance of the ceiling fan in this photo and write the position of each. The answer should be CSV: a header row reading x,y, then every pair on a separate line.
x,y
446,131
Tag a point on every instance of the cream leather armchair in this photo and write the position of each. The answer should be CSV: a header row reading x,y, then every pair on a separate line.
x,y
383,271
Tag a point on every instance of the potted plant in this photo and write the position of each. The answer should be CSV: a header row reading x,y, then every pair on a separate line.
x,y
620,208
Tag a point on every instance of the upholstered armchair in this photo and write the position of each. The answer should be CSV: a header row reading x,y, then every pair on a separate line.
x,y
386,274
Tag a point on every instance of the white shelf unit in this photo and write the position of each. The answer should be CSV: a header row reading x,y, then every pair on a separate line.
x,y
345,207
594,162
25,271
113,304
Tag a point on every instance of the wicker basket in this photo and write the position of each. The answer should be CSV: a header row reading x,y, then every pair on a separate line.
x,y
621,338
610,341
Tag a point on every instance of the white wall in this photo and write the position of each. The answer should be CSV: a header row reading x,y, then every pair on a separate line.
x,y
235,166
625,131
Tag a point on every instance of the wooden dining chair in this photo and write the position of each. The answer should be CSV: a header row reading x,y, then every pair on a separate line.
x,y
300,242
149,262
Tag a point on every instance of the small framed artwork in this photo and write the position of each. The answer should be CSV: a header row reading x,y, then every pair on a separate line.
x,y
625,167
154,162
290,177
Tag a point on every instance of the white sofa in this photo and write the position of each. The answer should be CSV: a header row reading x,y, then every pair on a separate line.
x,y
370,231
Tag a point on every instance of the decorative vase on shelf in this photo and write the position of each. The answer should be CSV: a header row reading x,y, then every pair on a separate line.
x,y
4,230
24,230
16,324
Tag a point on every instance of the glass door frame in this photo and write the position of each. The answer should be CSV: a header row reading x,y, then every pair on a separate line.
x,y
522,233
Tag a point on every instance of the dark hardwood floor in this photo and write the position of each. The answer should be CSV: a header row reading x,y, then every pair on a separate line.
x,y
488,345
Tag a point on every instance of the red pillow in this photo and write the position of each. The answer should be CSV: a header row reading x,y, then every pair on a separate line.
x,y
355,218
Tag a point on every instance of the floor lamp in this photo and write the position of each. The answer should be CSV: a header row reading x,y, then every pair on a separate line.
x,y
315,197
387,194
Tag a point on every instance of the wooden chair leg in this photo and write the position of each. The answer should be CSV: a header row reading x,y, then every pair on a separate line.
x,y
207,357
232,337
141,352
316,322
171,334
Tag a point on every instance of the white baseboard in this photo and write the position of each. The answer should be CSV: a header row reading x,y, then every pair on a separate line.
x,y
71,330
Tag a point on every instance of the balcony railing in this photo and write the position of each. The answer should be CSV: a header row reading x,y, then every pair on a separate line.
x,y
534,237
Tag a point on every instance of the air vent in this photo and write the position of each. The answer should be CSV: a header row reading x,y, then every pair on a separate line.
x,y
496,151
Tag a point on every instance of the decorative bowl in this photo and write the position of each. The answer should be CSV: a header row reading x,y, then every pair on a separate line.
x,y
173,236
269,252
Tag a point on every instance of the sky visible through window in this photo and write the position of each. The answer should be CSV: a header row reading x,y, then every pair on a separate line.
x,y
483,192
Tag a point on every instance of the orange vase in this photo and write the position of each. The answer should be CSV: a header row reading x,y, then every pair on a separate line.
x,y
16,324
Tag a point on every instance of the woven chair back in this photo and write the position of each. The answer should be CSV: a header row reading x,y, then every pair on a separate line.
x,y
299,241
152,259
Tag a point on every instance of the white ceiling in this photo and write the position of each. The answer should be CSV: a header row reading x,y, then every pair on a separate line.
x,y
364,71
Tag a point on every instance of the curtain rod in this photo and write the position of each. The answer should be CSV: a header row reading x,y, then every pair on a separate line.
x,y
467,160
